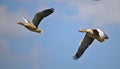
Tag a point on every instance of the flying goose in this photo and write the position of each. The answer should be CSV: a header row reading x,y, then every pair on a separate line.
x,y
91,34
33,25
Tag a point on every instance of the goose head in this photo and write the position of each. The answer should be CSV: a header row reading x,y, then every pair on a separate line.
x,y
82,30
86,31
20,23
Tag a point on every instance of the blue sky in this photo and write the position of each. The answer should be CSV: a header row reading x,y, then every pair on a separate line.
x,y
56,46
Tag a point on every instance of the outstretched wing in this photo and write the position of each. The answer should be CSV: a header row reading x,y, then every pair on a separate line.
x,y
40,15
83,46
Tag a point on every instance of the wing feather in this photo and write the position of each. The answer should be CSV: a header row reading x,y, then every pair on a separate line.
x,y
83,46
40,15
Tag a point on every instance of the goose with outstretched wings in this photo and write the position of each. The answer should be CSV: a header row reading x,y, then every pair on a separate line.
x,y
91,34
33,25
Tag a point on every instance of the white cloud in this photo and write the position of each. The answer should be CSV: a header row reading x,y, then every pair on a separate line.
x,y
100,12
34,57
4,49
11,60
5,54
8,21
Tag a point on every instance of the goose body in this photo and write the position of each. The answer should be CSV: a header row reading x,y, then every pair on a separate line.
x,y
91,34
33,25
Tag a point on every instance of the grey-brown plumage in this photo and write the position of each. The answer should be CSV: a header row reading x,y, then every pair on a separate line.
x,y
33,26
83,46
91,34
40,15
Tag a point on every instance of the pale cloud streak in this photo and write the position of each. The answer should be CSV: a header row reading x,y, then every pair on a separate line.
x,y
11,60
8,20
100,12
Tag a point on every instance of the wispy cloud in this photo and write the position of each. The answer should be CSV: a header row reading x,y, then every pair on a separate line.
x,y
8,20
100,12
11,60
5,54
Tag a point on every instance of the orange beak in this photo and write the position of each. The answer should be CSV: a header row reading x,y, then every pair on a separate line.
x,y
18,22
80,30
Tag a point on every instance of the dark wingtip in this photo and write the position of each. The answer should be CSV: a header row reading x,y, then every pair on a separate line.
x,y
52,9
75,58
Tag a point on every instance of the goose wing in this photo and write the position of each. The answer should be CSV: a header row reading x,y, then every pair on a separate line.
x,y
40,15
83,46
102,34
